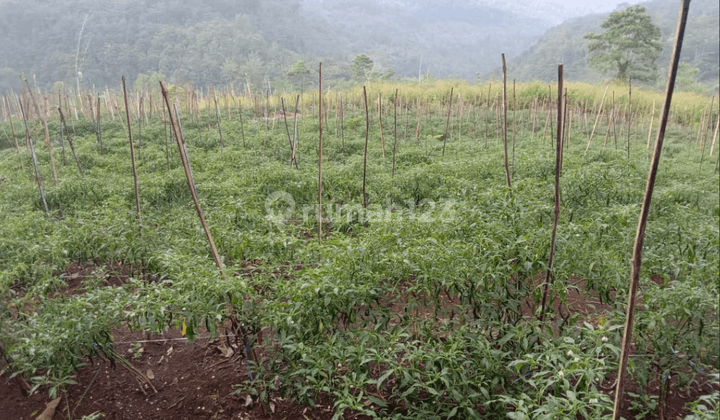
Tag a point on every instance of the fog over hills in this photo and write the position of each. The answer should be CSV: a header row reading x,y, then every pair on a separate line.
x,y
258,41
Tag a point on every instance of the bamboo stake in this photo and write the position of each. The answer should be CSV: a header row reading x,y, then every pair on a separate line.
x,y
98,128
395,103
629,117
636,261
715,135
287,129
367,136
132,152
295,133
320,152
652,116
514,125
43,118
217,117
242,127
382,136
72,147
447,124
507,169
597,118
342,125
38,178
188,175
558,165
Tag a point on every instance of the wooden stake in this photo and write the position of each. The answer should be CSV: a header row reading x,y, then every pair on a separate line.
x,y
367,136
652,116
217,117
132,151
447,124
382,137
395,103
320,152
43,118
597,118
38,178
188,175
72,147
507,168
558,165
636,261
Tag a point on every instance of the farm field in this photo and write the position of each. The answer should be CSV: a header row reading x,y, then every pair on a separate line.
x,y
420,298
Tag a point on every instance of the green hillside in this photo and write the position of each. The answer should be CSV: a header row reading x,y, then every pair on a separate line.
x,y
565,44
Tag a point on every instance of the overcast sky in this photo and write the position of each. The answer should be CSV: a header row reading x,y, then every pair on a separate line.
x,y
560,10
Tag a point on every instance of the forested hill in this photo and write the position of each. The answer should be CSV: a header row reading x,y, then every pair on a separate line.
x,y
255,41
565,44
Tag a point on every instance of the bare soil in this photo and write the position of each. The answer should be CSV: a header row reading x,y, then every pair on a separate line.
x,y
196,380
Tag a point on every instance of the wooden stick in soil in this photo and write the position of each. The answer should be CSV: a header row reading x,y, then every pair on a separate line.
x,y
558,164
132,151
367,136
38,178
17,147
342,125
287,129
295,133
98,128
382,137
167,149
188,175
597,118
43,118
652,116
217,117
629,116
636,261
514,126
242,127
447,123
395,103
320,152
72,147
507,168
715,135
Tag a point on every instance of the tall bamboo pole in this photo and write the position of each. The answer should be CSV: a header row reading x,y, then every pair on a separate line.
x,y
132,151
188,175
558,165
217,117
43,118
320,152
636,262
447,123
38,178
382,136
505,146
652,116
395,103
72,147
367,131
597,118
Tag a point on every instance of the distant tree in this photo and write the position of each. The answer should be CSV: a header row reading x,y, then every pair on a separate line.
x,y
687,79
361,65
629,46
299,74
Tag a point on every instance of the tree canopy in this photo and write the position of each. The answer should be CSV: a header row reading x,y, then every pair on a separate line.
x,y
361,65
629,46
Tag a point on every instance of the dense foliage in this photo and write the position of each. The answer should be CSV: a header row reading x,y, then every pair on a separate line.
x,y
423,305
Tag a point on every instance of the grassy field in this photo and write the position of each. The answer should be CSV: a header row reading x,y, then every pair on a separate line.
x,y
423,304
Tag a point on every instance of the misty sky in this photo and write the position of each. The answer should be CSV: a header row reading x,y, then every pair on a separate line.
x,y
560,10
